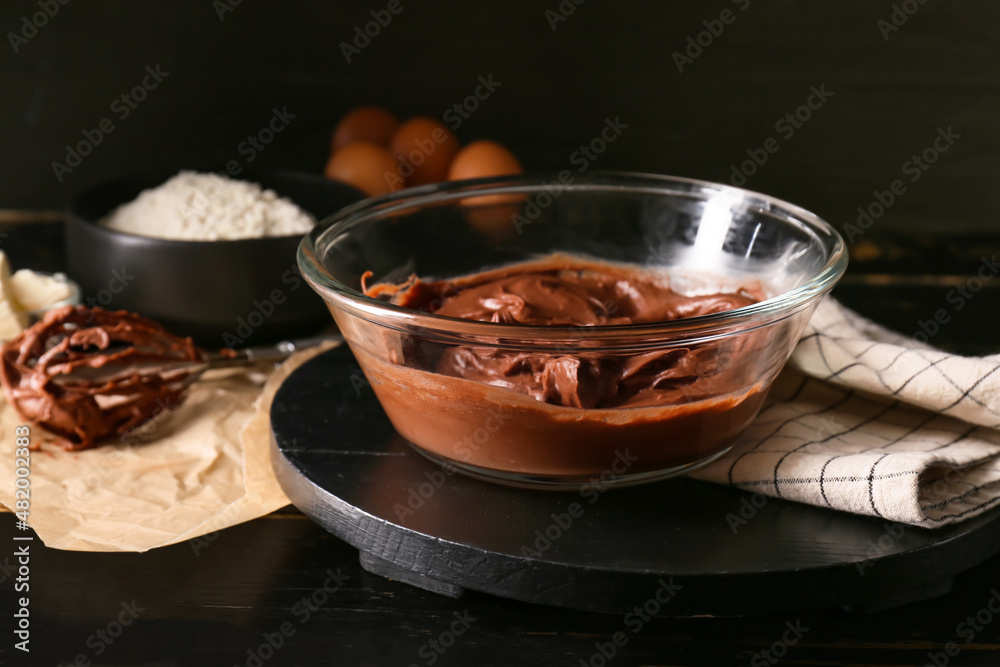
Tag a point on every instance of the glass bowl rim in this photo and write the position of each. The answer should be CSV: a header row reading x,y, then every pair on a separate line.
x,y
742,319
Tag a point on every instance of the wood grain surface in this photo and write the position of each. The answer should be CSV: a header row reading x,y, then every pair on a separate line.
x,y
890,91
217,600
229,599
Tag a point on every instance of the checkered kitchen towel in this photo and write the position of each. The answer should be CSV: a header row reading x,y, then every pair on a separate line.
x,y
868,421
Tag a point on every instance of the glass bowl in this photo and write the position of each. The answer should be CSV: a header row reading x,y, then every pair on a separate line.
x,y
703,237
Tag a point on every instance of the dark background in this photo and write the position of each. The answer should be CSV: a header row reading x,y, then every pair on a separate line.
x,y
890,96
608,59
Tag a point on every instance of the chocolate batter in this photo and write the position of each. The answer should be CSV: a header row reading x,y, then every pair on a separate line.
x,y
77,373
568,411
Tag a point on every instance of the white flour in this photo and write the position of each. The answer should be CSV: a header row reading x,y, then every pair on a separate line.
x,y
208,207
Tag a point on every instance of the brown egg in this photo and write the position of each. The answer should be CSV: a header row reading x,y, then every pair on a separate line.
x,y
424,148
373,124
368,167
483,158
492,214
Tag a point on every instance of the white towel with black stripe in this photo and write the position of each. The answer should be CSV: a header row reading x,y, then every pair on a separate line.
x,y
867,421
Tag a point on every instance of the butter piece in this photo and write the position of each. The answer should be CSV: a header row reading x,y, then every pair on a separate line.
x,y
36,291
12,321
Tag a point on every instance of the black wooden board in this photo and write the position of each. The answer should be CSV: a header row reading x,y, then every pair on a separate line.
x,y
616,550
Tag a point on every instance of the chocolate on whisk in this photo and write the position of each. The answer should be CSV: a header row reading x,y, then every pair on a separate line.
x,y
87,374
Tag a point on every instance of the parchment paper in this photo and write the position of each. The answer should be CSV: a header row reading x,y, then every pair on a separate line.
x,y
198,469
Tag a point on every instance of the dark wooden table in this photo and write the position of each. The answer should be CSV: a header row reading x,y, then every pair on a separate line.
x,y
281,591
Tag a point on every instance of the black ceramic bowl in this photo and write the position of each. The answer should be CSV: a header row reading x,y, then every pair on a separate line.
x,y
221,293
